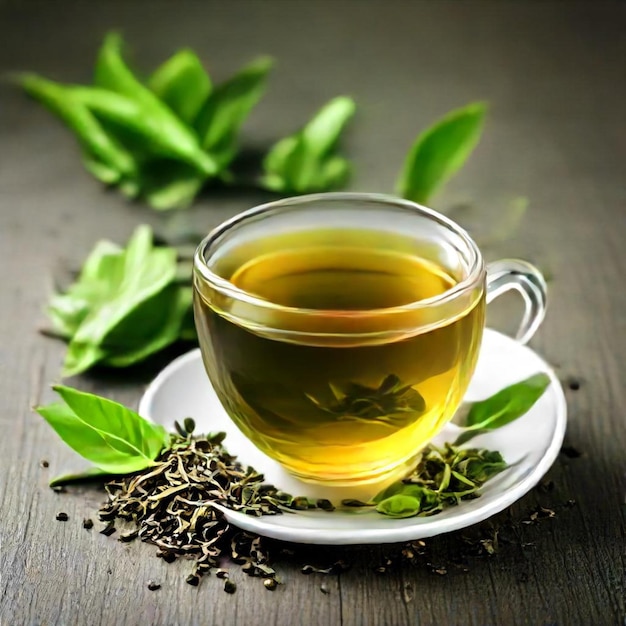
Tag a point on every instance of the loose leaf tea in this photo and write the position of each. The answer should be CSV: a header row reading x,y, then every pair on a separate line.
x,y
175,506
125,305
504,407
306,161
440,151
175,487
443,477
388,403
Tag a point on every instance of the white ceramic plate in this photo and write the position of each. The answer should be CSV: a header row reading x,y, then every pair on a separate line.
x,y
530,445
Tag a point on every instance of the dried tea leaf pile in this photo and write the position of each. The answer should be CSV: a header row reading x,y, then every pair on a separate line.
x,y
173,506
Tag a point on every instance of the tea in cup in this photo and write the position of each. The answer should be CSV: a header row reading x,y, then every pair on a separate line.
x,y
340,331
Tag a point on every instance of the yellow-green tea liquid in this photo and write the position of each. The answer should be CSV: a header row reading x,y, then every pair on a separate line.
x,y
297,398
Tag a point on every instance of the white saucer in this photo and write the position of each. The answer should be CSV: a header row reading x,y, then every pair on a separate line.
x,y
530,445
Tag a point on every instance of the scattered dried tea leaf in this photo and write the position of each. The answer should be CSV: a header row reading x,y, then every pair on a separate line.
x,y
129,536
270,584
571,452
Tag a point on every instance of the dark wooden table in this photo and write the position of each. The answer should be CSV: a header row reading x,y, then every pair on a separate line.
x,y
554,75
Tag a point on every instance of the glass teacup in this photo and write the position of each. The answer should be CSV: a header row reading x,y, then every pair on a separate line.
x,y
340,331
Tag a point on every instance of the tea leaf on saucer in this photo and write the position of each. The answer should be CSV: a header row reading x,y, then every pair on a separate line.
x,y
124,306
399,506
306,161
503,407
115,439
440,151
443,477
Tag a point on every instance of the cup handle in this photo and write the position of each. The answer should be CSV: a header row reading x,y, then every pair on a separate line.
x,y
527,280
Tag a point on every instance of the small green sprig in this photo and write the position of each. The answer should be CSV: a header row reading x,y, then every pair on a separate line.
x,y
126,305
115,439
307,161
440,151
159,141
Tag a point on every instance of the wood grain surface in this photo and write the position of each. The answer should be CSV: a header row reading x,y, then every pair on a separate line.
x,y
554,75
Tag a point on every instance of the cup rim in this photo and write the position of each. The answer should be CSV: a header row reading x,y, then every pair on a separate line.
x,y
230,290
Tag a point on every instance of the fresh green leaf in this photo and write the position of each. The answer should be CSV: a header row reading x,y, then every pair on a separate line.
x,y
91,473
399,488
103,172
168,184
305,162
183,84
152,326
104,156
322,133
146,272
504,407
140,109
509,403
230,103
102,269
157,130
399,506
441,151
112,437
125,305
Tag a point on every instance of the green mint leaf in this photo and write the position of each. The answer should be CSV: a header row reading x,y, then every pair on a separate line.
x,y
112,437
68,310
152,326
183,84
91,473
399,488
126,101
468,435
125,305
503,407
440,151
225,110
104,157
155,129
145,272
399,506
304,162
168,185
103,172
322,133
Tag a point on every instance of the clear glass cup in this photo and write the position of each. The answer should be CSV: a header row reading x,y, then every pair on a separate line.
x,y
314,345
